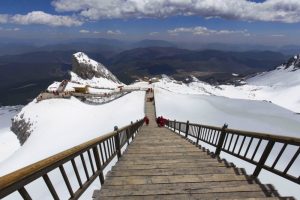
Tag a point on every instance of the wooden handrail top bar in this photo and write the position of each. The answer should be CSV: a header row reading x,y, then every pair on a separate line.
x,y
276,137
25,172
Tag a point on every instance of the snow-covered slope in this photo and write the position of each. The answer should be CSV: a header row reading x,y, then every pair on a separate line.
x,y
59,124
8,140
90,72
280,86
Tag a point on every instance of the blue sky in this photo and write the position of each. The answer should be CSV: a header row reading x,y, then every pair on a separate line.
x,y
272,22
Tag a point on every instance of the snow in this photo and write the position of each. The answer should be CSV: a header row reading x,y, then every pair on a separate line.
x,y
280,86
59,124
241,114
82,58
95,82
8,140
64,123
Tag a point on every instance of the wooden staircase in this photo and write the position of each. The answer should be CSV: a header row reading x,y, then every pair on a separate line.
x,y
160,164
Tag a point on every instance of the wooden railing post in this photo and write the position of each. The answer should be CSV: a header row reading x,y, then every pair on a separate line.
x,y
174,125
98,164
127,135
263,158
132,130
187,129
198,136
221,140
117,142
179,128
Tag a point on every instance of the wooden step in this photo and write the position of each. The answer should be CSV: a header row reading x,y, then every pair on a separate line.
x,y
207,196
168,172
111,192
173,179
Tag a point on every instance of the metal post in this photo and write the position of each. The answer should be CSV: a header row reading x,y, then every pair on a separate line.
x,y
221,140
263,158
187,129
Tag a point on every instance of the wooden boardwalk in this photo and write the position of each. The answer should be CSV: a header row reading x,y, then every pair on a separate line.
x,y
162,165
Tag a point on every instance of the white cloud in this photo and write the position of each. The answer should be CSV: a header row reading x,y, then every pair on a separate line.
x,y
153,33
84,31
40,17
287,11
277,35
201,30
3,18
9,29
116,32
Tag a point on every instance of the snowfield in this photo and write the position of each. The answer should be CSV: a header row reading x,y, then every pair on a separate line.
x,y
280,86
241,114
8,140
59,124
95,82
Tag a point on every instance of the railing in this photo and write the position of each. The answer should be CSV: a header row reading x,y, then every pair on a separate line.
x,y
94,155
277,154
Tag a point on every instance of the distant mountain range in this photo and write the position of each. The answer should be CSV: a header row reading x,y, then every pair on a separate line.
x,y
24,75
110,46
180,63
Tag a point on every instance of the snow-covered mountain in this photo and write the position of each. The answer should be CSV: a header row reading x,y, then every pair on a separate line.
x,y
280,86
88,71
286,75
85,72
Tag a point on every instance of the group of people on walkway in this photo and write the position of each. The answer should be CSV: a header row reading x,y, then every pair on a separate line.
x,y
160,121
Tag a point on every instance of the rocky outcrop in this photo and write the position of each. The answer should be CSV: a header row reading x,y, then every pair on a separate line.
x,y
87,68
22,128
293,62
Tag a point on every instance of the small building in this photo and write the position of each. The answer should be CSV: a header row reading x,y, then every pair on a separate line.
x,y
82,90
120,87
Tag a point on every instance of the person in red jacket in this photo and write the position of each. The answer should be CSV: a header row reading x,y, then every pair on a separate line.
x,y
158,121
146,120
162,121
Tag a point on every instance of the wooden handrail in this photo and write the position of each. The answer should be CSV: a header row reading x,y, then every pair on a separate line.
x,y
19,178
24,172
233,141
278,137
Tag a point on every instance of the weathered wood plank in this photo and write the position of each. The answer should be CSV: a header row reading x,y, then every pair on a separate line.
x,y
135,180
124,165
167,157
168,172
209,196
176,185
177,190
182,160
